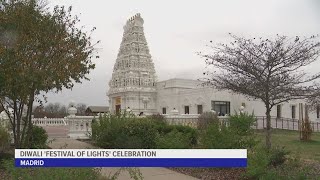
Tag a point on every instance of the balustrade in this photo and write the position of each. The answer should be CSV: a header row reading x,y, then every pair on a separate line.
x,y
80,126
48,121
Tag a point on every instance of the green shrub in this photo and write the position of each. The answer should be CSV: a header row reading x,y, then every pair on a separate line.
x,y
4,139
258,162
189,132
240,125
277,156
106,129
39,138
49,173
174,140
236,134
274,164
142,131
218,136
4,157
157,118
121,131
163,128
207,118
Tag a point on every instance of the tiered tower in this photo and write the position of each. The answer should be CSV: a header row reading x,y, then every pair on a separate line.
x,y
133,82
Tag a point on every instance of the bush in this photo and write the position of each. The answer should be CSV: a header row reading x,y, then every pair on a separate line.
x,y
258,162
121,131
157,118
189,132
142,131
207,118
106,129
39,138
3,158
218,136
277,156
240,125
273,164
237,134
4,139
174,140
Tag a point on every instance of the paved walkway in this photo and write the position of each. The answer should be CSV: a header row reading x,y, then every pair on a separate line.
x,y
147,173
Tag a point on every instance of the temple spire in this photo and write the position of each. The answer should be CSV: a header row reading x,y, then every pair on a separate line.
x,y
134,70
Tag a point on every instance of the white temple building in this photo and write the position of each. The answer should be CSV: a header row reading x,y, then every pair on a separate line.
x,y
134,86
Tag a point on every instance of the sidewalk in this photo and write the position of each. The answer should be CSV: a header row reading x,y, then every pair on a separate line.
x,y
147,173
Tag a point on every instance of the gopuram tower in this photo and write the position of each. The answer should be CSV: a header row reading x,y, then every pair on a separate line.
x,y
133,82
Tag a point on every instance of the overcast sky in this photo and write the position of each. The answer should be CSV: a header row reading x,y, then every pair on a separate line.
x,y
176,29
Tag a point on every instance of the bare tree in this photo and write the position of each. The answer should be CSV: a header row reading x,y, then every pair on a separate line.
x,y
269,70
63,111
50,111
81,107
50,108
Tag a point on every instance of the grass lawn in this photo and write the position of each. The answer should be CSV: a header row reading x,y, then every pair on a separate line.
x,y
290,140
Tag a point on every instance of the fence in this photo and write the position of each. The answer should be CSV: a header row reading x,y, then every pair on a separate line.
x,y
284,123
261,122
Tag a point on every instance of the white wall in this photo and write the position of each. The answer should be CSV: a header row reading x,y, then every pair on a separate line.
x,y
177,93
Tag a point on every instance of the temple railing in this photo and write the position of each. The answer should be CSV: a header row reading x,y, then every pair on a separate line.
x,y
49,121
80,127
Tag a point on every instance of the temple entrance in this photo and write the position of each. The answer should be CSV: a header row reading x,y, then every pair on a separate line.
x,y
118,104
118,108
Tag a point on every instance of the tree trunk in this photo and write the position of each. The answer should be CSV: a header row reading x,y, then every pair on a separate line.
x,y
268,130
28,120
17,128
25,127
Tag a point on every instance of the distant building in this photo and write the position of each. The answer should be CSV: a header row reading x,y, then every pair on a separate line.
x,y
95,110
